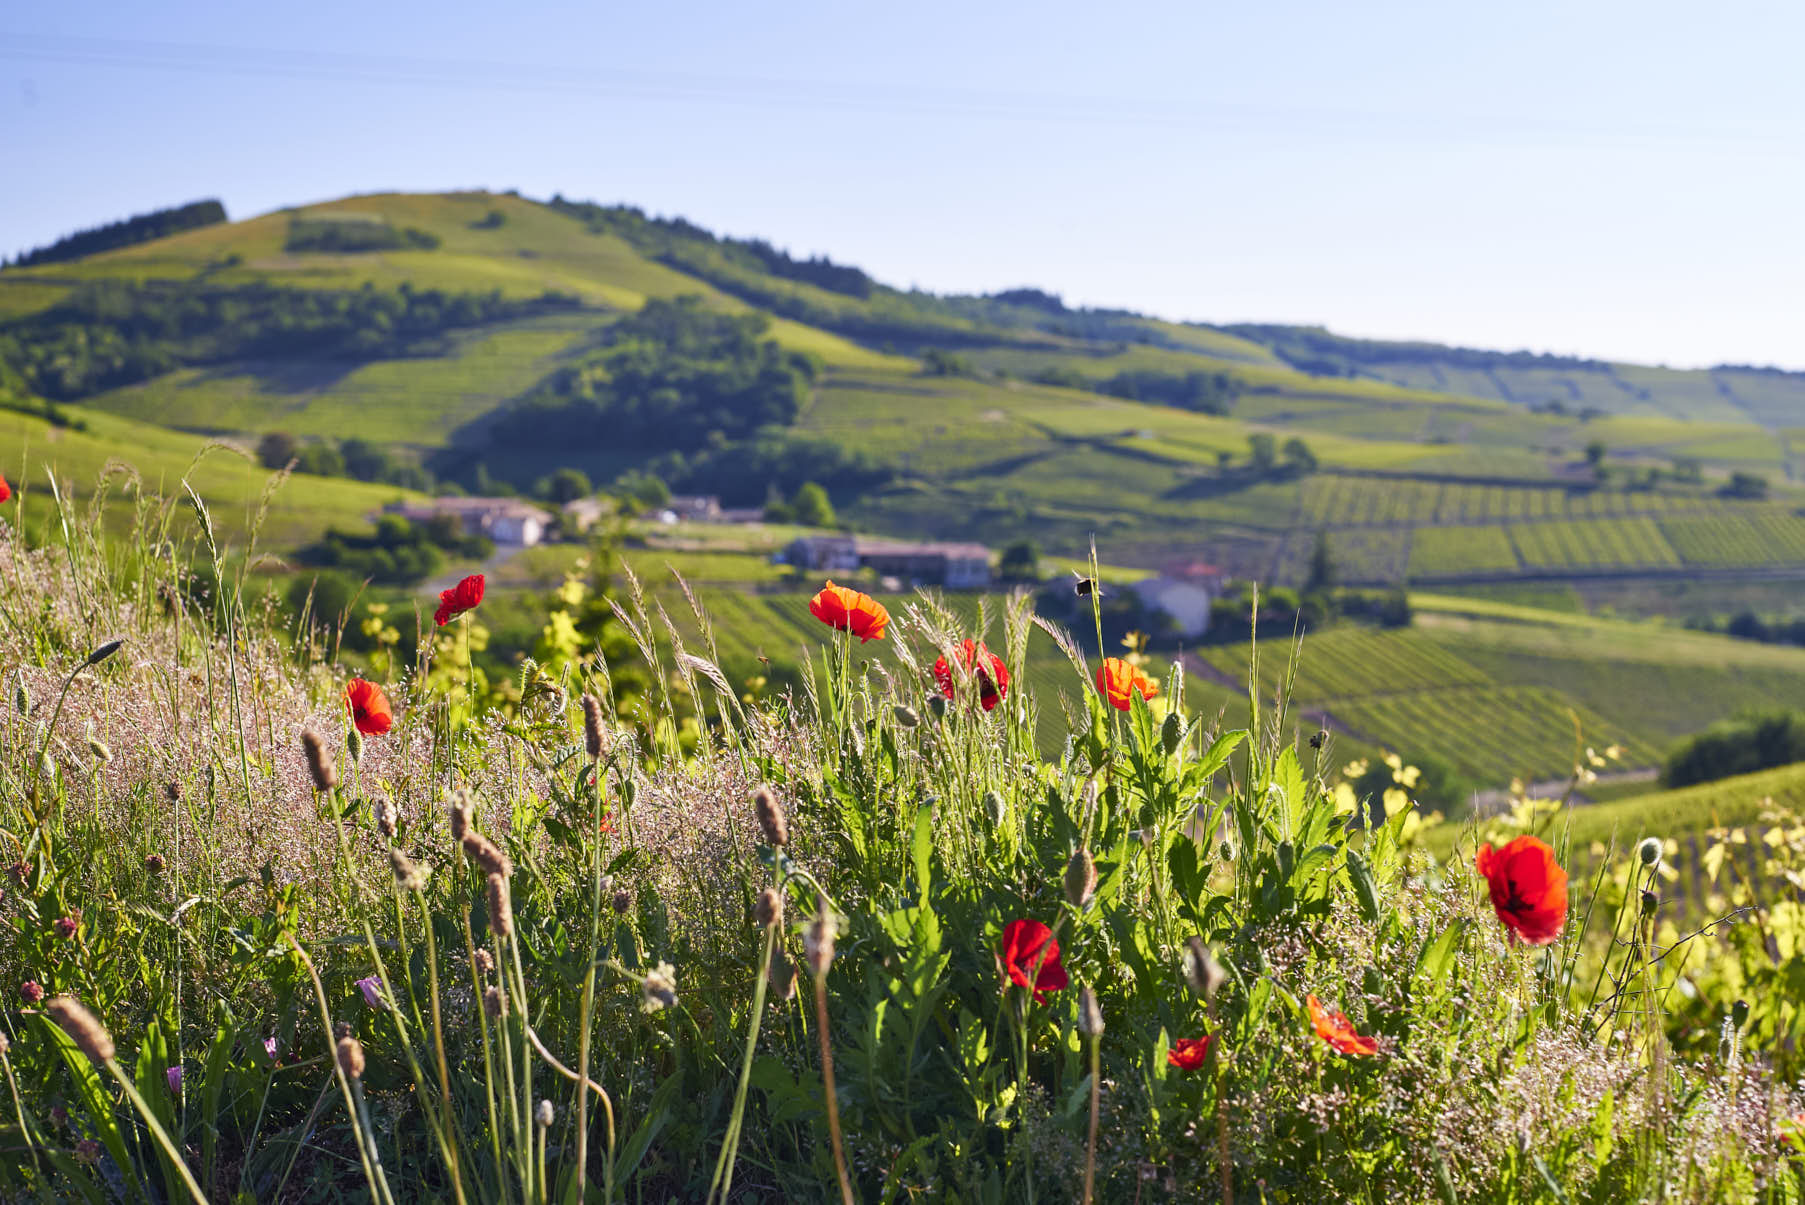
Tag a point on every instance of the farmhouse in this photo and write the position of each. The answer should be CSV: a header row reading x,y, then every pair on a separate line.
x,y
504,520
1184,591
955,566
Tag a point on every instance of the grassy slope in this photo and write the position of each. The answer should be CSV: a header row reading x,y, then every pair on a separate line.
x,y
231,484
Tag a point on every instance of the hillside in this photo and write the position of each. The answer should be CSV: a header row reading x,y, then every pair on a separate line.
x,y
1011,414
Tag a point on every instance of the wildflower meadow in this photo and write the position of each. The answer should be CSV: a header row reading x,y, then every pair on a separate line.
x,y
284,925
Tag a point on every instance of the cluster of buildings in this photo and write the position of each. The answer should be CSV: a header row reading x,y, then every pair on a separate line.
x,y
1182,589
956,566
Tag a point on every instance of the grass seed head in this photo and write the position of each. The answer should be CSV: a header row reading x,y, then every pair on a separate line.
x,y
104,651
818,938
782,974
767,909
659,988
485,961
1090,1016
351,1057
1203,973
408,875
460,809
89,1035
319,762
593,742
501,909
1080,879
494,1003
771,819
486,855
623,901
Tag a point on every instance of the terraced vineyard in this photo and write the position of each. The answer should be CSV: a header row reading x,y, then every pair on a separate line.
x,y
1598,543
1763,537
1348,661
1342,499
1489,732
1459,550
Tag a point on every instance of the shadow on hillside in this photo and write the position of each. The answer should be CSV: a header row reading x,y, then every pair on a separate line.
x,y
285,377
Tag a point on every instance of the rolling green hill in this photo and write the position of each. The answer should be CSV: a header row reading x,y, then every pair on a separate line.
x,y
1005,416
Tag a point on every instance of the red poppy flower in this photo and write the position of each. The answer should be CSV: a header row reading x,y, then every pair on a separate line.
x,y
1529,889
992,674
1026,945
1334,1028
1187,1054
460,598
850,611
6,491
1118,681
370,710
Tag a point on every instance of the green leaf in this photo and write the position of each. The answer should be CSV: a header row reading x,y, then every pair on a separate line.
x,y
1437,956
101,1122
658,1115
1218,753
921,850
1362,880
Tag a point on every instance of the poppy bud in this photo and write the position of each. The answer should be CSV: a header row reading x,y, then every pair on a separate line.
x,y
1650,901
767,909
319,763
544,1115
1090,1017
593,743
1080,879
623,900
995,808
501,910
98,748
82,1026
906,717
771,820
351,1057
818,938
937,705
1203,974
104,651
1739,1013
1169,731
1649,851
354,745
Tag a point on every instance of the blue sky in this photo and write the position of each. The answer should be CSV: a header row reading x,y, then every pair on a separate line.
x,y
1620,180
